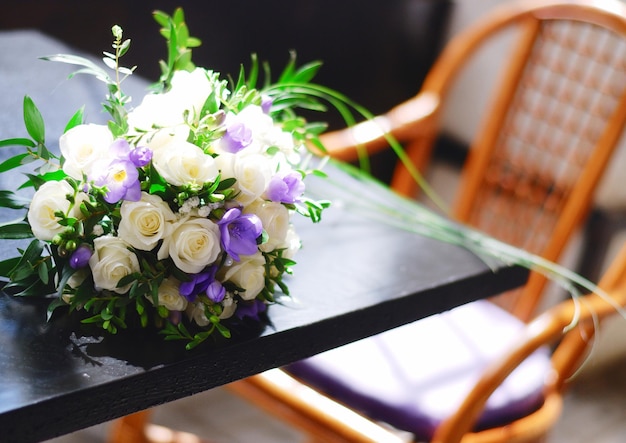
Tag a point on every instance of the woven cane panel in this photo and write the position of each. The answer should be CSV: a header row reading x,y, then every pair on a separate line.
x,y
571,85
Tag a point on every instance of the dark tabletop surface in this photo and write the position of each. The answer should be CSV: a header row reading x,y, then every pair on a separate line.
x,y
355,277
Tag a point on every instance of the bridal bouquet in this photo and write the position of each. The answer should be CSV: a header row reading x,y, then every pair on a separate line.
x,y
178,212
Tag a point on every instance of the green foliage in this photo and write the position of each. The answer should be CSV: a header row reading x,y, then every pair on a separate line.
x,y
179,44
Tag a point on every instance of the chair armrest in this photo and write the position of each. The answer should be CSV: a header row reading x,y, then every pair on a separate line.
x,y
411,119
545,329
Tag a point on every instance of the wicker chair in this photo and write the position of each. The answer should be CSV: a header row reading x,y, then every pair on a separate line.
x,y
555,118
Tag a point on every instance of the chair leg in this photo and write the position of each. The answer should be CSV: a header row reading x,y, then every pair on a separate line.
x,y
131,428
136,428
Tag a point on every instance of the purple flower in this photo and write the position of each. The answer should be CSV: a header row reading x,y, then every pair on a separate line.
x,y
197,284
80,257
203,282
216,291
237,137
121,180
266,103
175,317
120,148
250,309
285,188
239,232
140,156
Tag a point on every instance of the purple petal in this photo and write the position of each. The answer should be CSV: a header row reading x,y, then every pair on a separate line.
x,y
120,148
140,156
237,137
239,233
285,188
80,257
266,104
250,309
215,291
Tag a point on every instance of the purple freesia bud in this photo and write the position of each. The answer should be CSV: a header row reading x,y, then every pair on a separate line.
x,y
250,309
285,188
216,291
197,284
237,136
80,257
239,232
140,156
175,317
266,103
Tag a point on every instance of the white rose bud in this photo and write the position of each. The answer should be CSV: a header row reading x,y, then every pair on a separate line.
x,y
195,311
112,261
193,244
248,274
145,222
83,146
49,198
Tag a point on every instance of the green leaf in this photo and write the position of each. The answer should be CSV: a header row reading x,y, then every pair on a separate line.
x,y
37,180
14,162
54,304
33,121
306,72
77,119
6,266
18,142
42,272
161,18
15,231
9,199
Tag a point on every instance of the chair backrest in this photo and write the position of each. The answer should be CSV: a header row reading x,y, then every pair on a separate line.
x,y
554,120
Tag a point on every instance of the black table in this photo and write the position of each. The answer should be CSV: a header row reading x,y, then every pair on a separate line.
x,y
355,277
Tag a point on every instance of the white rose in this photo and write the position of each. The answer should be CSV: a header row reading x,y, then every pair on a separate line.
x,y
248,274
253,173
169,296
188,92
193,244
112,261
163,138
275,219
49,198
82,146
195,311
182,163
145,222
265,133
292,243
229,307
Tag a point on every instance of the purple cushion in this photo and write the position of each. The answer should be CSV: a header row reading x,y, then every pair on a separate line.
x,y
414,376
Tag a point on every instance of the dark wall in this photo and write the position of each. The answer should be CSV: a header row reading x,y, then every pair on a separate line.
x,y
376,52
